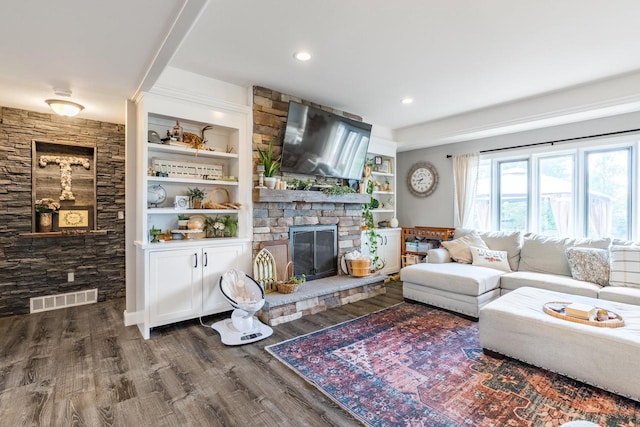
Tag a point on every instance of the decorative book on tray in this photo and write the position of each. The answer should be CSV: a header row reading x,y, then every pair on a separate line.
x,y
581,311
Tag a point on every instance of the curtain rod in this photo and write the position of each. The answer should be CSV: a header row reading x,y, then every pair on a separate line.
x,y
555,141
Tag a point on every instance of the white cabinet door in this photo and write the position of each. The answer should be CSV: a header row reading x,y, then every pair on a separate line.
x,y
175,279
218,260
389,250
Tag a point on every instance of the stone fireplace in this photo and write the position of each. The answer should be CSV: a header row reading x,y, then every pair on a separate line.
x,y
276,212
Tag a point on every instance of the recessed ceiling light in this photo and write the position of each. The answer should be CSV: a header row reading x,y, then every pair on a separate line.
x,y
407,100
302,56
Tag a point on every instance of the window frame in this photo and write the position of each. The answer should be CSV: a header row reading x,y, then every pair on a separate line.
x,y
579,150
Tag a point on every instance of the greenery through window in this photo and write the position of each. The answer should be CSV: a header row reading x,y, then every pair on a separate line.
x,y
580,190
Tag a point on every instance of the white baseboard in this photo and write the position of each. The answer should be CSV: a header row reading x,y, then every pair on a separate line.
x,y
133,318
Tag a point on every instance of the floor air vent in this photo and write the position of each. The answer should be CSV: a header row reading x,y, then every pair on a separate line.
x,y
54,302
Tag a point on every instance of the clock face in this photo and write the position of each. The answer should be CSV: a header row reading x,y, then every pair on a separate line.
x,y
422,179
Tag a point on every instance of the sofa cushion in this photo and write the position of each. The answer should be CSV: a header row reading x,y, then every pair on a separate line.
x,y
459,248
625,266
544,254
510,241
589,264
551,282
483,257
453,277
620,294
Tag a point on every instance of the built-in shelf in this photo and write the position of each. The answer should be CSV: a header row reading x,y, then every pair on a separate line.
x,y
268,195
65,234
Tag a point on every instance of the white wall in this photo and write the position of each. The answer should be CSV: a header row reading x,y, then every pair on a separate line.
x,y
437,210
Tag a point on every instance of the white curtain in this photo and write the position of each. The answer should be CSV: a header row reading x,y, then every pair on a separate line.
x,y
465,182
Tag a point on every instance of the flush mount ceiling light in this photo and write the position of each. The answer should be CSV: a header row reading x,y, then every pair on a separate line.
x,y
302,56
63,107
407,100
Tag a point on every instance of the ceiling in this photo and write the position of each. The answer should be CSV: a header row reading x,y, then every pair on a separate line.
x,y
452,57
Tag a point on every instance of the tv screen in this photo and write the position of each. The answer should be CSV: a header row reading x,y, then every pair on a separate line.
x,y
321,143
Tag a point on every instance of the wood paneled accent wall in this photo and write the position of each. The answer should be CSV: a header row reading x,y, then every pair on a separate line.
x,y
38,266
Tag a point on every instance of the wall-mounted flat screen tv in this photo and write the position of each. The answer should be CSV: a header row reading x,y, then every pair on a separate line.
x,y
321,143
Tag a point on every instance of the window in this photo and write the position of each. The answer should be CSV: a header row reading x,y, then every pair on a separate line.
x,y
514,195
556,195
572,190
608,193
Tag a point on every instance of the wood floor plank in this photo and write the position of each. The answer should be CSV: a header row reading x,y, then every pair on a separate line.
x,y
81,366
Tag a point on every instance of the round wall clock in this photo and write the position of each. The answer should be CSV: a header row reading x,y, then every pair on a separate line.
x,y
422,179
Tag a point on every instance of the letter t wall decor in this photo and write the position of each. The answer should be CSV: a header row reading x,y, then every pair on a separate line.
x,y
65,172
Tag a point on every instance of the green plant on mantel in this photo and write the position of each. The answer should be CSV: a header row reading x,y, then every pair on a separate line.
x,y
269,160
338,190
299,184
369,227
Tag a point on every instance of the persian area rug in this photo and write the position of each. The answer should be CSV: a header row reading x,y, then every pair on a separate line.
x,y
413,365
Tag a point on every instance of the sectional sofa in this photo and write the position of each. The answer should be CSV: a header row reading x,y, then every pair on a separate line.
x,y
478,267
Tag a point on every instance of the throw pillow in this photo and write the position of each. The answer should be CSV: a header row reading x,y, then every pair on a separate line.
x,y
625,266
459,248
589,264
483,257
510,241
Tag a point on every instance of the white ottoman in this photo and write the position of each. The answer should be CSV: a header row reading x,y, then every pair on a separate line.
x,y
516,326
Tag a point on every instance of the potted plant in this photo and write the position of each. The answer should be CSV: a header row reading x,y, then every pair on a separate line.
x,y
182,221
45,209
196,195
230,225
214,227
271,164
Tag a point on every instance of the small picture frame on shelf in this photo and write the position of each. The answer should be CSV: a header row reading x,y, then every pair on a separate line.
x,y
181,202
377,160
74,218
385,167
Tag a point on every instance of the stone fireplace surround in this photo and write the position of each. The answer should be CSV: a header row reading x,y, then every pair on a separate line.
x,y
274,211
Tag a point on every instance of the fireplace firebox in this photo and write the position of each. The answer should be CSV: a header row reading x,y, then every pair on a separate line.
x,y
314,250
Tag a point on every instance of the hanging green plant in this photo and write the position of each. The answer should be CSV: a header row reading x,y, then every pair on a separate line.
x,y
369,227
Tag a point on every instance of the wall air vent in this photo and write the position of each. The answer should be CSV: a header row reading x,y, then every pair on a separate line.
x,y
54,302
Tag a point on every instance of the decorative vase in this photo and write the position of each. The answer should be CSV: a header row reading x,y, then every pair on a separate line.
x,y
270,182
45,222
182,224
393,222
197,204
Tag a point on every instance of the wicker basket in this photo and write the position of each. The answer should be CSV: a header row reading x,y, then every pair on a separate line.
x,y
283,286
226,204
287,288
359,267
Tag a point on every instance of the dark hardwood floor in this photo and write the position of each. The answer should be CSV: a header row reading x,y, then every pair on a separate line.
x,y
82,367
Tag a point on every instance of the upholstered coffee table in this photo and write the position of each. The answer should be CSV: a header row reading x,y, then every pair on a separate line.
x,y
515,325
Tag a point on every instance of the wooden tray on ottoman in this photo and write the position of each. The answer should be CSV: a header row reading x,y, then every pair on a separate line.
x,y
616,322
